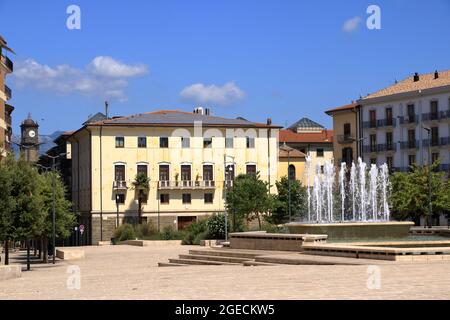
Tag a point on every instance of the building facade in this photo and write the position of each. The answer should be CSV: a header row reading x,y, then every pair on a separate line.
x,y
310,138
400,123
6,67
346,133
189,158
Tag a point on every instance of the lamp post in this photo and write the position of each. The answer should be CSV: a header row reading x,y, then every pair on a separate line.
x,y
117,210
430,205
54,203
230,170
288,150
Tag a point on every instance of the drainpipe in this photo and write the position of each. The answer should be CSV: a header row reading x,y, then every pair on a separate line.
x,y
101,186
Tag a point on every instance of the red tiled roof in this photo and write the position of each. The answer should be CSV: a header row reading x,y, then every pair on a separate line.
x,y
325,136
347,107
294,153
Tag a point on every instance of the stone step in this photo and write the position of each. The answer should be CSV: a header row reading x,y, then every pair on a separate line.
x,y
257,264
170,264
200,262
306,259
225,253
214,258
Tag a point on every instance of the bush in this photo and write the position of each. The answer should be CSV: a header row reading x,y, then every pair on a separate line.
x,y
145,230
216,226
199,237
194,230
168,233
125,232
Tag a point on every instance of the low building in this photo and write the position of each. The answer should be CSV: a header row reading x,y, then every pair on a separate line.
x,y
189,157
291,163
310,138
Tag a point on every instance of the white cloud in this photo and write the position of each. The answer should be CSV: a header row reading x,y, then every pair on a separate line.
x,y
351,24
103,77
212,94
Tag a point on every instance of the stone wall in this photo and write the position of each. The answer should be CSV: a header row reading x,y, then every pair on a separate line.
x,y
109,226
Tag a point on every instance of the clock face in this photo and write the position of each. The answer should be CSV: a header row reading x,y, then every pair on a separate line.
x,y
32,134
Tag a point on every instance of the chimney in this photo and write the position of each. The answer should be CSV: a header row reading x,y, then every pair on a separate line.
x,y
416,77
269,121
436,74
207,112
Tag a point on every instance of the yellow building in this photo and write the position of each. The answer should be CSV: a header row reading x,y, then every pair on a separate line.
x,y
346,128
6,67
310,138
188,157
291,163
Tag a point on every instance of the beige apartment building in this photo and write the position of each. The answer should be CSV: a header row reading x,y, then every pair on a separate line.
x,y
189,157
6,67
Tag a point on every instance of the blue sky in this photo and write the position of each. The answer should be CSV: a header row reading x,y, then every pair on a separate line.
x,y
255,59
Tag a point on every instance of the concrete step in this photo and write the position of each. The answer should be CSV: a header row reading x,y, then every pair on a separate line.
x,y
169,264
214,258
225,253
200,262
257,264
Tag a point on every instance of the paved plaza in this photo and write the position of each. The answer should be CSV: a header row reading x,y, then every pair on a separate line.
x,y
127,272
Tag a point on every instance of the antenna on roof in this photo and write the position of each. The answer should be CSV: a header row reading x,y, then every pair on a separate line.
x,y
106,109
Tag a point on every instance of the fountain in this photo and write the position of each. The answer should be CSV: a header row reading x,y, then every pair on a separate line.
x,y
353,205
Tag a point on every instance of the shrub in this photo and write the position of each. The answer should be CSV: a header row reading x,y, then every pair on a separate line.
x,y
124,232
168,233
199,237
216,226
193,230
145,230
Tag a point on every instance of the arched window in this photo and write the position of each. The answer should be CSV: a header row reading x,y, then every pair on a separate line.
x,y
291,172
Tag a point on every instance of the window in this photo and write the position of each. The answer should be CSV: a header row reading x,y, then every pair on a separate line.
x,y
208,197
433,110
229,143
435,136
390,163
434,157
120,198
373,118
251,169
207,143
291,172
411,113
142,142
142,169
186,172
163,142
389,116
373,143
347,130
119,172
229,172
411,159
389,141
185,142
412,138
164,198
347,155
208,172
120,142
186,198
320,153
250,143
164,172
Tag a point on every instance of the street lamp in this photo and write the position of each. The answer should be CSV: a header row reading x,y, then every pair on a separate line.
x,y
230,170
117,207
54,201
288,150
430,205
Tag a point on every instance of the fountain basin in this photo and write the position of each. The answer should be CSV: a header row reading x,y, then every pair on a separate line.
x,y
353,230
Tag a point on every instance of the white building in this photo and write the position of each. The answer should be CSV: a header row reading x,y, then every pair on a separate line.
x,y
399,122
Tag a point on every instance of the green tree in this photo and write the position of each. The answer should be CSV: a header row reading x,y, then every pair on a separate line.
x,y
410,198
249,197
7,204
280,213
141,185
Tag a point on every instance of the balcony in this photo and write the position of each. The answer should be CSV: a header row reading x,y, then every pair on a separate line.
x,y
409,119
409,144
228,183
345,138
7,62
120,185
444,141
379,123
434,116
8,92
384,147
186,184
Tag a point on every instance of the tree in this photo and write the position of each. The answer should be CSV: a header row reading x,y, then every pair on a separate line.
x,y
249,197
410,198
7,204
141,184
280,213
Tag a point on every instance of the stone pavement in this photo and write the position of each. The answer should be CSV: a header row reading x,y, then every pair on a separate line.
x,y
127,272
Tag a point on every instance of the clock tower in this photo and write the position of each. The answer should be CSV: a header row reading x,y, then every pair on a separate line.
x,y
29,142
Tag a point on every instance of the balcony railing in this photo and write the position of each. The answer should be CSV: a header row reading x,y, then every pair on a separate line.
x,y
120,185
228,183
384,147
345,138
409,119
409,144
435,116
444,141
380,123
8,92
7,62
186,184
